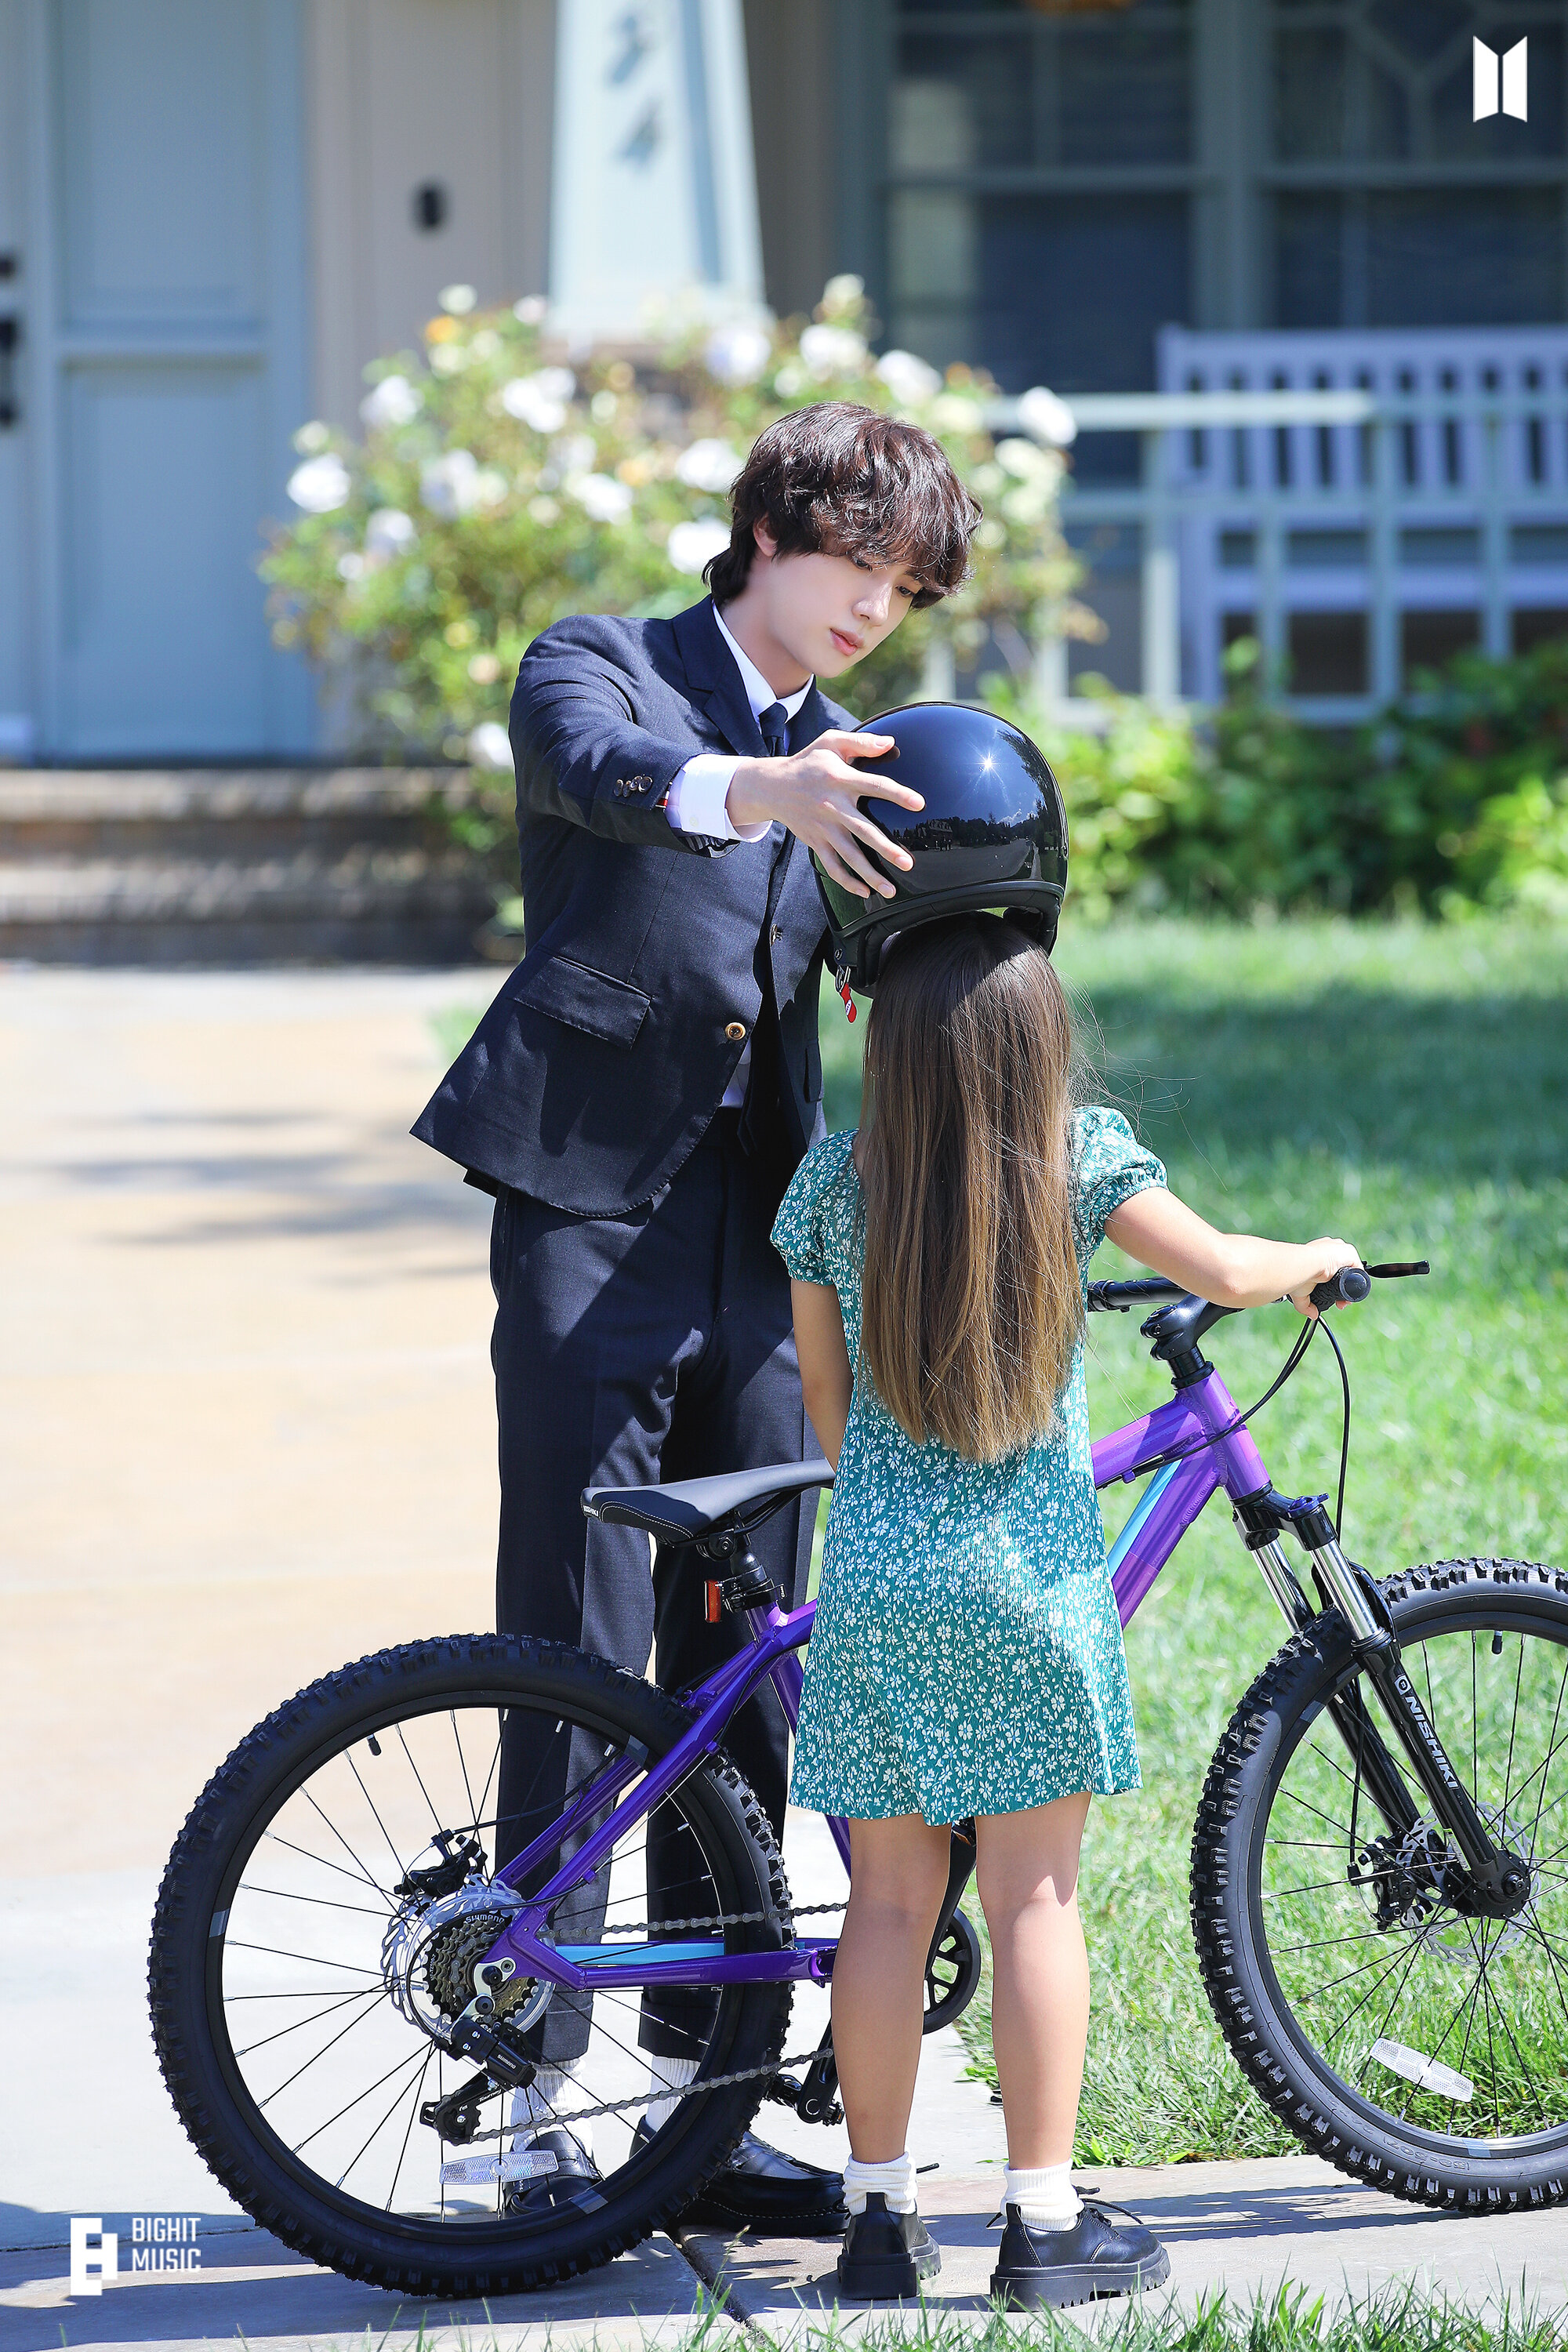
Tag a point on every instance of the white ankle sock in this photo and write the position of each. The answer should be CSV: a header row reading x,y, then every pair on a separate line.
x,y
667,2074
1045,2197
534,2109
896,2180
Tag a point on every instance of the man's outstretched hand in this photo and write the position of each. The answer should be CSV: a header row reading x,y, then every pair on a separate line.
x,y
814,793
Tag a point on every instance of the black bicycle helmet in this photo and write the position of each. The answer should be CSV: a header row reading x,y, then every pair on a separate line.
x,y
993,834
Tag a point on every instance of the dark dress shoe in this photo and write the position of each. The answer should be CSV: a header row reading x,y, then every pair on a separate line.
x,y
1097,2257
886,2255
767,2192
574,2182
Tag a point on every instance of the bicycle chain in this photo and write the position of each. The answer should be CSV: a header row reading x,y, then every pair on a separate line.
x,y
563,2122
719,1919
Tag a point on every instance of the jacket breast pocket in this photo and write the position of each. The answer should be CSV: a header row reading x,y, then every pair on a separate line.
x,y
582,998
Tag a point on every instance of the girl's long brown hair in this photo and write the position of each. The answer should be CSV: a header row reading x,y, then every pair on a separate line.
x,y
970,1303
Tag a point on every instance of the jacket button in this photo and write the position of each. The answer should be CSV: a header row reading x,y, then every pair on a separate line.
x,y
735,1031
776,934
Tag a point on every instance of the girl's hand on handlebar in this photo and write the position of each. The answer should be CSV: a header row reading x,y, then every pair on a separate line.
x,y
1326,1256
817,795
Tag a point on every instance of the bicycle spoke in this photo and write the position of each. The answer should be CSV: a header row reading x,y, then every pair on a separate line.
x,y
348,1849
368,1992
424,2058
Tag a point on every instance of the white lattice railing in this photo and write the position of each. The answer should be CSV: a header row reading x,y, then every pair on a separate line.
x,y
1360,501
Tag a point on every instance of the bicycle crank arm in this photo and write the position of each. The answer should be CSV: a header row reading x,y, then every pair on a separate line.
x,y
959,1871
1501,1880
815,2097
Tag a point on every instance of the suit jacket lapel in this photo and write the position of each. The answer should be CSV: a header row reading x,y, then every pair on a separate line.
x,y
713,679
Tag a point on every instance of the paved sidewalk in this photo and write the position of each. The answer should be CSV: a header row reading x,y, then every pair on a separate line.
x,y
1245,2227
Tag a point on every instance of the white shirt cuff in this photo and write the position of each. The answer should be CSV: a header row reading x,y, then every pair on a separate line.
x,y
696,800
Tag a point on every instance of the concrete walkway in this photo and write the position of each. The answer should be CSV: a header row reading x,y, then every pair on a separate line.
x,y
246,1433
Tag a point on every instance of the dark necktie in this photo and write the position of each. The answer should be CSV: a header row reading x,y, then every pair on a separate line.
x,y
760,1122
774,724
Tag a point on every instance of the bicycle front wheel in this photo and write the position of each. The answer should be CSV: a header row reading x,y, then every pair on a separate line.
x,y
319,1924
1411,2042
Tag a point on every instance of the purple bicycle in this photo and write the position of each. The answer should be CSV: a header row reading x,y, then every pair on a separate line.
x,y
350,1995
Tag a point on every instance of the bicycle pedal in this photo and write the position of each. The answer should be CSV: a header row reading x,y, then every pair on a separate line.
x,y
785,2090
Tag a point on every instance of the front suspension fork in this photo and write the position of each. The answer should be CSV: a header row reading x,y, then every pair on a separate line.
x,y
1501,1880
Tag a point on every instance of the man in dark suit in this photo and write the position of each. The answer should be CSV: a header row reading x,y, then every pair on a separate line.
x,y
645,1083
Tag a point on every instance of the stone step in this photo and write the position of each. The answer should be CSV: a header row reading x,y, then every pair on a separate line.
x,y
257,866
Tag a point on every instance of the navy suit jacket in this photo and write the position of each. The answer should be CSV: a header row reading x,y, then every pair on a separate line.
x,y
593,1074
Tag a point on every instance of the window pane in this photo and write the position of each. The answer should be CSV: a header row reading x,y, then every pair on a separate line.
x,y
930,246
1464,256
1125,96
1332,103
1073,288
1420,257
1308,281
989,82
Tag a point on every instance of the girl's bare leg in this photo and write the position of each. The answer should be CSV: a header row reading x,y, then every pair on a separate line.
x,y
898,1878
1028,1877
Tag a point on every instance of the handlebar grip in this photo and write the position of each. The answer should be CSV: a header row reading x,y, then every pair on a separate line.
x,y
1350,1284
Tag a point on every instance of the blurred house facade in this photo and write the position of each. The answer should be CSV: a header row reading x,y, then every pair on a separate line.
x,y
214,212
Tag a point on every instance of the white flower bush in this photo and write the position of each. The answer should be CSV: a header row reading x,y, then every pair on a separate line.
x,y
739,352
693,546
322,484
912,381
394,402
708,466
539,400
497,487
601,495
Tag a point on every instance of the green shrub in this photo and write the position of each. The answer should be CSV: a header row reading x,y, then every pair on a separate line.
x,y
1454,799
497,489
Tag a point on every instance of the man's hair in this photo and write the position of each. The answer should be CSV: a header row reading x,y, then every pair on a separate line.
x,y
840,480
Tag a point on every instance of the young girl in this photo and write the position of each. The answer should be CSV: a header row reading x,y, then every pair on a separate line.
x,y
966,1659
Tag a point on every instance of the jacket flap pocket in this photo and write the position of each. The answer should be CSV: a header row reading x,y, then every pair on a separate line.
x,y
585,999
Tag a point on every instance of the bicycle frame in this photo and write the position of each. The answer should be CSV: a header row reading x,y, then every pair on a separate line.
x,y
1202,1416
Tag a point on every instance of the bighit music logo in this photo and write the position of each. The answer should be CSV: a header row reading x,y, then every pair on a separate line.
x,y
1513,78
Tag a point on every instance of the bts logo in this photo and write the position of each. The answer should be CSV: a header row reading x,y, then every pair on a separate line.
x,y
1513,78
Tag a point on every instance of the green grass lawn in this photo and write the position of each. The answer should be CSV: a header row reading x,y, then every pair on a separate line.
x,y
1408,1088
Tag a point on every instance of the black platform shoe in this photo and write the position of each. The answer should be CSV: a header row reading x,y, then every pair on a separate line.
x,y
1097,2257
767,2192
574,2182
886,2255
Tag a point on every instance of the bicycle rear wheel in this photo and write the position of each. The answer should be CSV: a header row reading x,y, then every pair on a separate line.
x,y
1412,2044
299,1973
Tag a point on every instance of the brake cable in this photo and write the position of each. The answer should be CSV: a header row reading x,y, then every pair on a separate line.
x,y
1395,1270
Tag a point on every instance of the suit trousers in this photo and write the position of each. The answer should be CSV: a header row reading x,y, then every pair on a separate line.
x,y
627,1351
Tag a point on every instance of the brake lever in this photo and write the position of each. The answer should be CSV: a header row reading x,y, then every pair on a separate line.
x,y
1395,1271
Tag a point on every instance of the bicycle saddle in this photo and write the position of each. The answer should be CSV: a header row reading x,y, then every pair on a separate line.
x,y
692,1508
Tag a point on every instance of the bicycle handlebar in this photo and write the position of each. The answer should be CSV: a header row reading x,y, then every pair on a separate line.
x,y
1350,1284
1343,1289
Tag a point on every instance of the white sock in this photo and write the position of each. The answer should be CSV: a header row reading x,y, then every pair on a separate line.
x,y
1046,2198
667,2074
896,2180
533,2110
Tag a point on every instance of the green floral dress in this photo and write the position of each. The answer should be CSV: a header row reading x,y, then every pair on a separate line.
x,y
967,1656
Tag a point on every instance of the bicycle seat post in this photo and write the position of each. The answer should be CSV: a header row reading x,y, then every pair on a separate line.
x,y
747,1585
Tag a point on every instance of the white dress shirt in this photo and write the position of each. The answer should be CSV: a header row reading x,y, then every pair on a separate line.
x,y
696,801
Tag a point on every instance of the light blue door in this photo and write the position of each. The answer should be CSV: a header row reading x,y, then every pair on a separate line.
x,y
175,367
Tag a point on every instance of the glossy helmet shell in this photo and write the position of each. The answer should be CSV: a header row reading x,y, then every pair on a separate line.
x,y
992,833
